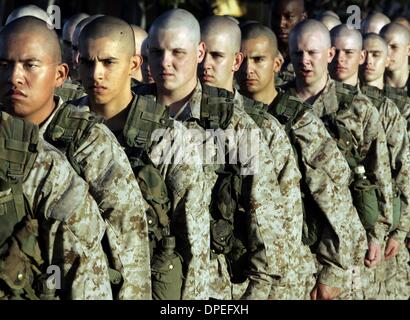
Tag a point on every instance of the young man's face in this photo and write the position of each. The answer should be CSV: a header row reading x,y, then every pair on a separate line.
x,y
105,70
376,60
285,16
310,58
218,66
348,57
257,72
398,50
173,59
28,76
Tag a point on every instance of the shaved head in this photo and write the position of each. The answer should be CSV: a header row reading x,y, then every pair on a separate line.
x,y
403,21
330,21
343,31
217,25
308,28
257,30
373,69
69,26
177,19
374,38
28,10
80,26
329,13
396,29
139,36
111,28
29,25
374,22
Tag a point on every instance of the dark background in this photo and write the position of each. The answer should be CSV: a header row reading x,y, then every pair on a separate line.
x,y
143,12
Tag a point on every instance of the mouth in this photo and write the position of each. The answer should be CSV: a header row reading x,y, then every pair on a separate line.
x,y
340,69
167,75
306,73
207,78
283,35
251,82
97,89
16,94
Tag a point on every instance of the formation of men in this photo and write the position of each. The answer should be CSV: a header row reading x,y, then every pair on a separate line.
x,y
210,160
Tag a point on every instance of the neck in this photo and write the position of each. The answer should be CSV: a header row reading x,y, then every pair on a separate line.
x,y
309,93
352,80
114,107
397,78
176,99
378,83
266,96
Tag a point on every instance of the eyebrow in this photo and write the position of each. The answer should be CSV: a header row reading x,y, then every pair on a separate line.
x,y
22,60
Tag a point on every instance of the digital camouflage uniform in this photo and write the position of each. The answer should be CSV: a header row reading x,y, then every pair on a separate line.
x,y
189,221
269,231
342,241
293,285
106,169
394,124
70,90
362,120
70,227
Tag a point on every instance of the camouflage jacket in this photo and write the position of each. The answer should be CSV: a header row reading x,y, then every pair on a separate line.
x,y
286,169
286,74
112,184
70,225
395,126
362,120
178,160
342,243
70,91
269,239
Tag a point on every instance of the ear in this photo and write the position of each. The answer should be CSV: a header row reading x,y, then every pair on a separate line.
x,y
331,54
61,74
201,51
277,63
363,55
304,16
237,62
135,63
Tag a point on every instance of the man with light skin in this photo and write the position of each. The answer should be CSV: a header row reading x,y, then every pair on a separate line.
x,y
309,136
31,56
139,36
67,36
107,59
284,16
311,51
403,21
395,126
398,40
175,50
222,38
374,22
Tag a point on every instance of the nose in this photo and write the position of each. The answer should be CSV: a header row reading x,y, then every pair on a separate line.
x,y
16,75
166,60
282,22
98,71
340,57
369,60
207,62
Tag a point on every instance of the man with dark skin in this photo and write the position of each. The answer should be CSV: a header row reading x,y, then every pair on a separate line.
x,y
284,16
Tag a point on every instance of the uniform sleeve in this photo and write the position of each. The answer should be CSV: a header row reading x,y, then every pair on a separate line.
x,y
116,191
377,166
342,243
399,152
71,227
268,240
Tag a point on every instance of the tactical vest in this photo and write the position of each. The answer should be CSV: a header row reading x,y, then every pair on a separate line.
x,y
22,269
70,91
144,117
377,97
288,110
364,192
256,110
69,129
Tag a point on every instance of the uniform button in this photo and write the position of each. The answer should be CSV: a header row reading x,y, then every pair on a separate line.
x,y
222,238
347,142
171,267
149,221
20,276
